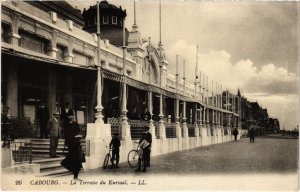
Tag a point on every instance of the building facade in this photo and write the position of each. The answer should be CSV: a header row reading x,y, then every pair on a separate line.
x,y
50,54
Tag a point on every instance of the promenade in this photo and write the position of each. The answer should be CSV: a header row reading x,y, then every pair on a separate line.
x,y
269,163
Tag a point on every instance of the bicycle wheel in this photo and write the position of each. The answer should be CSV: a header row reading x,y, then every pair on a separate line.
x,y
106,160
133,158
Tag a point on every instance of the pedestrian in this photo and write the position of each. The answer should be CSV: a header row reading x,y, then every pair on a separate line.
x,y
145,145
235,133
65,112
146,116
54,135
115,144
73,161
43,118
252,135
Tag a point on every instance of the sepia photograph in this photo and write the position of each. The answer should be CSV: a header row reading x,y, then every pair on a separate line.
x,y
123,95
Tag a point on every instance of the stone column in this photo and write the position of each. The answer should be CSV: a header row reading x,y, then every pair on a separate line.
x,y
98,134
52,48
69,56
12,90
14,35
68,94
150,107
162,128
125,126
51,101
178,128
185,128
196,123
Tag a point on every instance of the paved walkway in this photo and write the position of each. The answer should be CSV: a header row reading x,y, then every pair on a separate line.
x,y
266,155
271,163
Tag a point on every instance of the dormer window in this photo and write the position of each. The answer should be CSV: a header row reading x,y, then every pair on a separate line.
x,y
105,19
114,20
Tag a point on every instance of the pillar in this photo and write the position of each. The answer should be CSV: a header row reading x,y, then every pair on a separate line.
x,y
12,90
52,48
185,128
178,128
124,125
14,35
98,134
150,107
68,87
51,101
162,128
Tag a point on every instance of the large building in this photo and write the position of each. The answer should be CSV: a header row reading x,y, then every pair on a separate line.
x,y
50,54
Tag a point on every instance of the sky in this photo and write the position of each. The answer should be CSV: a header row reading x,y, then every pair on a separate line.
x,y
248,45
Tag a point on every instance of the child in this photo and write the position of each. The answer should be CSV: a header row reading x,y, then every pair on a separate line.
x,y
115,145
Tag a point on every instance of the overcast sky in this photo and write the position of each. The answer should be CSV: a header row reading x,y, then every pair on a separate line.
x,y
250,45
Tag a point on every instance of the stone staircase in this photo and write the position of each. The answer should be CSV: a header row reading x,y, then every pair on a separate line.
x,y
40,155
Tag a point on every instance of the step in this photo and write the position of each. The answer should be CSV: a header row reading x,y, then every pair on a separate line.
x,y
51,168
60,151
42,156
40,161
54,172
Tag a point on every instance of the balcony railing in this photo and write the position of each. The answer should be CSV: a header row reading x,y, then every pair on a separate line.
x,y
191,130
115,125
22,152
137,128
170,130
17,127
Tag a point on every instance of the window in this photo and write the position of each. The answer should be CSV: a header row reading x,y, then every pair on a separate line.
x,y
105,19
61,52
33,42
81,59
5,30
114,20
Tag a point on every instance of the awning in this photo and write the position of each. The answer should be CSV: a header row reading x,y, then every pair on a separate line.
x,y
46,59
111,75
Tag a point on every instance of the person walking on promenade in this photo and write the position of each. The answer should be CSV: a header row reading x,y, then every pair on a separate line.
x,y
252,135
235,133
43,118
115,146
73,161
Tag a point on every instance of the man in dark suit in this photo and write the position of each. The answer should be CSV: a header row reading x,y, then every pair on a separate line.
x,y
73,161
65,112
43,118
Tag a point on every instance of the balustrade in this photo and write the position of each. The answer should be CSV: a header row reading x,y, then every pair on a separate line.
x,y
22,152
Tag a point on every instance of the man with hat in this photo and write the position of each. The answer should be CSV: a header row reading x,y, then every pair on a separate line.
x,y
73,161
145,143
43,117
65,112
71,130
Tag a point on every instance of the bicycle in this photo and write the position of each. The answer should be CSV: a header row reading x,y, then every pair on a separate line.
x,y
107,158
134,155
